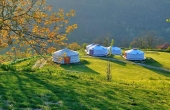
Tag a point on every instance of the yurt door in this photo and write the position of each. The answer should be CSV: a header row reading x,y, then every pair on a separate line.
x,y
91,52
66,60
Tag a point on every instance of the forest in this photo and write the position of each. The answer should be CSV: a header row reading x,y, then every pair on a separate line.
x,y
121,20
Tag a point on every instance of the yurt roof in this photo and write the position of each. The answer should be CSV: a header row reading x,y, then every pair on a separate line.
x,y
134,51
90,45
98,47
66,51
115,48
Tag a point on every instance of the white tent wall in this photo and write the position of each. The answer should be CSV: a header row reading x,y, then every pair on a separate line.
x,y
116,50
134,54
74,59
107,50
60,59
59,56
99,53
98,50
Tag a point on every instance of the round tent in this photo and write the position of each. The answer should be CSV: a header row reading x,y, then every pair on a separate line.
x,y
134,54
115,50
98,50
66,56
88,46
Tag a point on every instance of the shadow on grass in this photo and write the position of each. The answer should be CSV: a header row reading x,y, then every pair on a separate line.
x,y
118,62
43,91
159,71
113,60
30,91
155,67
79,67
151,61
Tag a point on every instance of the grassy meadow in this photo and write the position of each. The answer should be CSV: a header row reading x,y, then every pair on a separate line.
x,y
154,58
159,59
84,86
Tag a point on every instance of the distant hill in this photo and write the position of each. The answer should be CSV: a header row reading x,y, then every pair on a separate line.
x,y
121,19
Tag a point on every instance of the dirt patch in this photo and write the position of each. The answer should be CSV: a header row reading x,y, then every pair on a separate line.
x,y
39,63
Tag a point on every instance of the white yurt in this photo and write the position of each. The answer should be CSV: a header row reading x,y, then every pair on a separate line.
x,y
134,54
115,50
98,50
66,56
88,46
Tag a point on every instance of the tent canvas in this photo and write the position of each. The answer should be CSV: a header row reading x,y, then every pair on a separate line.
x,y
98,50
87,48
115,50
65,54
134,54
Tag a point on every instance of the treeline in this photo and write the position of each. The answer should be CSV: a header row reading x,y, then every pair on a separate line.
x,y
121,20
145,40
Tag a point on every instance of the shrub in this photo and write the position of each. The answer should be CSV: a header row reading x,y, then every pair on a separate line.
x,y
84,45
168,49
8,67
108,72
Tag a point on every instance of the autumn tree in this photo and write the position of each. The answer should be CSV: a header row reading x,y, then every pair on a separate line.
x,y
27,25
74,46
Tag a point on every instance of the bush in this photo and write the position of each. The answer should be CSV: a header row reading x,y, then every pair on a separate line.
x,y
84,45
108,72
8,67
168,49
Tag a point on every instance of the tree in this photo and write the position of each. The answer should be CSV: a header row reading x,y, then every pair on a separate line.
x,y
168,49
103,40
148,39
84,45
26,24
138,42
108,72
112,43
74,46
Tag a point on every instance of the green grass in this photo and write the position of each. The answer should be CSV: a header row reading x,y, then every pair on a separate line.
x,y
160,59
153,58
84,86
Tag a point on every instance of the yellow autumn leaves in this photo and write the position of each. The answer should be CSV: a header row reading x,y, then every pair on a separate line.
x,y
26,24
71,28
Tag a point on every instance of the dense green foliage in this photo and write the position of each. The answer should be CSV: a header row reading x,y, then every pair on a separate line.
x,y
121,19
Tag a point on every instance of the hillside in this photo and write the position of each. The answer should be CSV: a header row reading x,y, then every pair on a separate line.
x,y
84,85
122,20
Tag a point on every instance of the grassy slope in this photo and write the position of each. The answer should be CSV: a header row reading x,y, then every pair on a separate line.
x,y
132,87
160,59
